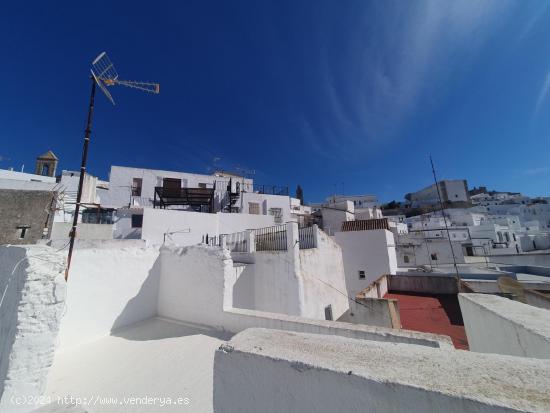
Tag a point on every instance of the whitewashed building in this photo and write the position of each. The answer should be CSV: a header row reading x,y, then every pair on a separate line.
x,y
131,191
368,252
455,190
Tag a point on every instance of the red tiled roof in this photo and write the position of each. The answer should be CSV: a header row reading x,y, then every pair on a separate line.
x,y
432,313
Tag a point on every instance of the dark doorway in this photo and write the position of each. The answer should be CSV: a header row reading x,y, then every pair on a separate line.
x,y
171,186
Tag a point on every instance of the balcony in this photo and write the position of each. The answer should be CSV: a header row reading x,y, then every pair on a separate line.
x,y
195,198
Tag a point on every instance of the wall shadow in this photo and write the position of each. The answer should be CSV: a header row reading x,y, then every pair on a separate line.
x,y
156,328
138,320
144,304
11,286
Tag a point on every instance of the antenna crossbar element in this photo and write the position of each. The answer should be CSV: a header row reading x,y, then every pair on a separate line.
x,y
145,86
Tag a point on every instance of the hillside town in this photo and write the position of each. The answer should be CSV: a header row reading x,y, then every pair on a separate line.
x,y
209,288
327,207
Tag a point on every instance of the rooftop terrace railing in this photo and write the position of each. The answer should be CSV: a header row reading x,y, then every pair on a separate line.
x,y
307,237
271,189
271,238
236,242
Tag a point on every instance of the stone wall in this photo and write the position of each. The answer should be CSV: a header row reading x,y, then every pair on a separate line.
x,y
30,209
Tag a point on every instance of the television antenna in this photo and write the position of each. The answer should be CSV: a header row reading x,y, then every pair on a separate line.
x,y
104,75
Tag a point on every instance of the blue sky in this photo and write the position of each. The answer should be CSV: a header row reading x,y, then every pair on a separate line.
x,y
345,96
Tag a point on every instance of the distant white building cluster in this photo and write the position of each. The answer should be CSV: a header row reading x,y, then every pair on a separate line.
x,y
474,223
202,276
449,190
493,224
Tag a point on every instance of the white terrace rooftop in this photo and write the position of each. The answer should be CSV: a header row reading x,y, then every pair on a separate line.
x,y
144,329
155,358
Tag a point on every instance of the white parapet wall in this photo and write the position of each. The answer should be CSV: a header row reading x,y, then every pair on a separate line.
x,y
268,371
324,280
189,228
32,299
498,325
295,281
196,286
61,230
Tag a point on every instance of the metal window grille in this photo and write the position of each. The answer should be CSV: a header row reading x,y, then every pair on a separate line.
x,y
254,208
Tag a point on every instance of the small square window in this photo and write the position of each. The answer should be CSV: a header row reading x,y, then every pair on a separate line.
x,y
434,257
361,275
328,312
406,259
136,186
137,221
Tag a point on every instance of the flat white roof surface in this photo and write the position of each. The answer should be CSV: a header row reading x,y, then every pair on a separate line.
x,y
155,358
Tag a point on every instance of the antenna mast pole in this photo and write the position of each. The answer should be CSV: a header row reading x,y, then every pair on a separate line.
x,y
87,134
103,74
445,222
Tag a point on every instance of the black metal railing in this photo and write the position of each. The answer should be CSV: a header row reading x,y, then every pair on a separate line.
x,y
236,242
271,189
307,237
271,238
211,240
193,197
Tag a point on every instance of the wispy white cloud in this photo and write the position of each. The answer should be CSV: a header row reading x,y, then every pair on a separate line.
x,y
426,47
543,94
534,20
537,171
400,61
